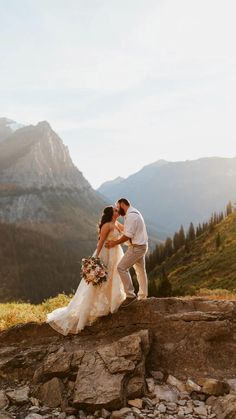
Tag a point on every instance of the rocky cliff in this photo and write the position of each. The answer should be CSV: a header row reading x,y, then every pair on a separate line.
x,y
169,355
38,177
42,190
35,156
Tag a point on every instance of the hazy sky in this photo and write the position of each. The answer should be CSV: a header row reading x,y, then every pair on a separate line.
x,y
123,82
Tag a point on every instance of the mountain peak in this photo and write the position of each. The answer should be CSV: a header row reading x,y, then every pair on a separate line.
x,y
110,183
44,125
36,156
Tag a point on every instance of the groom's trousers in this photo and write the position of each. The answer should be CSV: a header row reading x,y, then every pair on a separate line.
x,y
134,256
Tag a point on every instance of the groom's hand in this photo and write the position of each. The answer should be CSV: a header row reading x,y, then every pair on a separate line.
x,y
110,244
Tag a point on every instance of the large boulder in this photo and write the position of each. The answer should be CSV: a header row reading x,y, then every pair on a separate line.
x,y
111,374
51,393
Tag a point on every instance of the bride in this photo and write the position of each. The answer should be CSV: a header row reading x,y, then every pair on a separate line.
x,y
89,301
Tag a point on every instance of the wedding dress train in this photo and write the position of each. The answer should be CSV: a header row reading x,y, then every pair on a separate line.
x,y
91,302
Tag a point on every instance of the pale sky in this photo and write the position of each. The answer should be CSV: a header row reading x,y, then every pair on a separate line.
x,y
123,82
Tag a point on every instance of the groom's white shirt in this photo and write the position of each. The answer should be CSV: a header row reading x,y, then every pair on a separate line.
x,y
134,227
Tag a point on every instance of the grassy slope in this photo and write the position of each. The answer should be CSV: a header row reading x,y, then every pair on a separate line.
x,y
204,266
14,313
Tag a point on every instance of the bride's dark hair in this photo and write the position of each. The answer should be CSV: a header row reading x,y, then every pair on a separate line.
x,y
106,216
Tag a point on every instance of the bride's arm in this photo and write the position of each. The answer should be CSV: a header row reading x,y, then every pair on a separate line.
x,y
103,235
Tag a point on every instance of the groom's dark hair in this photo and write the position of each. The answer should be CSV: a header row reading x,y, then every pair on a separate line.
x,y
124,201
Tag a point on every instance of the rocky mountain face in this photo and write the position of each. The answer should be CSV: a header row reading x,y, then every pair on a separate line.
x,y
35,157
159,358
173,193
42,190
36,169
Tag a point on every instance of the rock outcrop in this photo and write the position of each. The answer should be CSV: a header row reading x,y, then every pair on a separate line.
x,y
163,349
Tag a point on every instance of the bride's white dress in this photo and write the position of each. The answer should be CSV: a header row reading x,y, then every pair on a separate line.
x,y
91,302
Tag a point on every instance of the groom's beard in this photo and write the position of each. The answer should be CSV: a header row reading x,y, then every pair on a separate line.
x,y
122,212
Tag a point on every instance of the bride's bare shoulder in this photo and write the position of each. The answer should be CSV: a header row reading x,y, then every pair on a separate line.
x,y
109,226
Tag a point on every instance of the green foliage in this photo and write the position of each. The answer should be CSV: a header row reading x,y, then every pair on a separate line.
x,y
197,264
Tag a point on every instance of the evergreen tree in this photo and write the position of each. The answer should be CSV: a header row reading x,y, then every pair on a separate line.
x,y
181,236
205,227
215,218
218,240
152,288
156,255
221,216
229,208
211,226
164,288
168,247
191,232
199,230
162,254
176,242
152,259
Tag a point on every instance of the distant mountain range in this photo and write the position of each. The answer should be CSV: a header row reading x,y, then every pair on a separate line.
x,y
173,193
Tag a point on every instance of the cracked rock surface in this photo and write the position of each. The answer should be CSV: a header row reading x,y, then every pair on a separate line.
x,y
167,358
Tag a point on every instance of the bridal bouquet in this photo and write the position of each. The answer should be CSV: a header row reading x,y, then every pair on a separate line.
x,y
93,271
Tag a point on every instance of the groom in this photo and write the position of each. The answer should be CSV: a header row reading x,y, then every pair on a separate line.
x,y
135,232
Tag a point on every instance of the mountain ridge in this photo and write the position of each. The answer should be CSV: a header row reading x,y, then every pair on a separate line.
x,y
176,193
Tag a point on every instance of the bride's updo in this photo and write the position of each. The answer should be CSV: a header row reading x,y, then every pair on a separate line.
x,y
106,216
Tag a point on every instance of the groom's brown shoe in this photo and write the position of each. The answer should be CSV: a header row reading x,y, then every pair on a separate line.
x,y
128,301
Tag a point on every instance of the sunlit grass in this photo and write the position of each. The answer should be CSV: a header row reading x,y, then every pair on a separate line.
x,y
15,313
216,294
